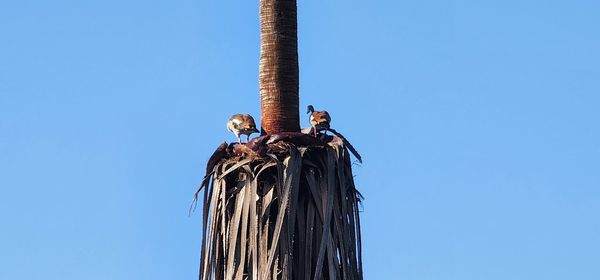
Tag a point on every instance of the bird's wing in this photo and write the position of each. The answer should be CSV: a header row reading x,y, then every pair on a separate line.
x,y
326,116
236,120
248,121
321,117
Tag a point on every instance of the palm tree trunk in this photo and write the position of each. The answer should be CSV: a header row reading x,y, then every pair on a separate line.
x,y
279,66
283,206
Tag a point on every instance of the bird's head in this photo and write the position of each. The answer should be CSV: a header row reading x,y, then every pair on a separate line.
x,y
252,129
310,109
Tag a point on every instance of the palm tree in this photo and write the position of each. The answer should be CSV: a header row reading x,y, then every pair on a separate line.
x,y
284,206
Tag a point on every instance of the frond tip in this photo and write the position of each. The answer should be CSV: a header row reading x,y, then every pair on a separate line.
x,y
288,213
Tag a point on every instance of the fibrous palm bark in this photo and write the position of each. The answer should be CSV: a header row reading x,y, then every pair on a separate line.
x,y
278,70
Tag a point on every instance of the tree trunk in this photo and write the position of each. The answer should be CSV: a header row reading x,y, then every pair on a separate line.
x,y
279,66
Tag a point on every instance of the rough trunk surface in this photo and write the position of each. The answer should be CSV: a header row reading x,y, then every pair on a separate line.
x,y
278,71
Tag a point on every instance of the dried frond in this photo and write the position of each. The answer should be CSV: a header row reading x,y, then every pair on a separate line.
x,y
290,213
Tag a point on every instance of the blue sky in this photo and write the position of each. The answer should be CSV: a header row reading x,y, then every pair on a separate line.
x,y
478,122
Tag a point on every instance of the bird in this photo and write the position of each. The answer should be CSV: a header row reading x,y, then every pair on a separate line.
x,y
242,124
319,120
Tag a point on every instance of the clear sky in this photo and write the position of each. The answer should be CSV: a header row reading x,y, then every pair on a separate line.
x,y
478,122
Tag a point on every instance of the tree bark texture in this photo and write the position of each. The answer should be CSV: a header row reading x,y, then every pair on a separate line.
x,y
278,71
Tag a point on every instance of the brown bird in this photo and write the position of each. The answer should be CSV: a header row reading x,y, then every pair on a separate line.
x,y
319,120
242,124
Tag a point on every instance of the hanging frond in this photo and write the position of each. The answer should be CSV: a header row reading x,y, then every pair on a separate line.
x,y
278,210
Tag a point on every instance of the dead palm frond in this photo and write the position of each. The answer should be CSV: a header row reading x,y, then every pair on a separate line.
x,y
283,211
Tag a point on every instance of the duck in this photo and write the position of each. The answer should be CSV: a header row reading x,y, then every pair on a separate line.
x,y
319,120
242,124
